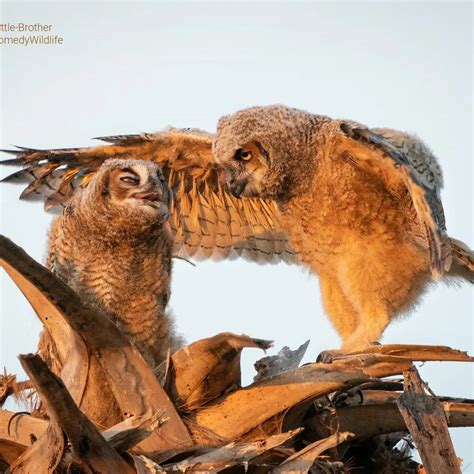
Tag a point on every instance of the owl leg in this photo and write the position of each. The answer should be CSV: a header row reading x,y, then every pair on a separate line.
x,y
372,323
367,297
366,283
342,314
380,281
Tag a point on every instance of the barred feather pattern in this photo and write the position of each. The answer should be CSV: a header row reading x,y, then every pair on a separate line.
x,y
463,260
206,221
409,162
119,262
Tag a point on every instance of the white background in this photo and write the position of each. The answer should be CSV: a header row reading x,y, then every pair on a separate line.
x,y
128,68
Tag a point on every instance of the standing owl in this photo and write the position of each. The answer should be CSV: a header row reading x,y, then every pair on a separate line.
x,y
112,246
359,207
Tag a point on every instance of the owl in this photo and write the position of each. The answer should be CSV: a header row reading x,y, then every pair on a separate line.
x,y
111,245
358,207
361,207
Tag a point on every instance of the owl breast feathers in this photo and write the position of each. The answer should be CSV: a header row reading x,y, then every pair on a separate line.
x,y
360,207
112,246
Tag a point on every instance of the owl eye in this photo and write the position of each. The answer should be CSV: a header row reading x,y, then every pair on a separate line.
x,y
130,180
243,155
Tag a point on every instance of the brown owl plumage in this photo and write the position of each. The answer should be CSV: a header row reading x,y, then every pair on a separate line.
x,y
360,207
111,245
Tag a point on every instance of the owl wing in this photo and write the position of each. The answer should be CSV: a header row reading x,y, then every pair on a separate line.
x,y
403,162
207,222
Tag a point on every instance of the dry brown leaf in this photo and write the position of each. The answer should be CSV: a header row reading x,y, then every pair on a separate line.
x,y
87,443
133,382
302,461
144,465
128,433
207,368
238,412
9,453
17,427
9,386
286,359
44,455
414,352
232,454
71,349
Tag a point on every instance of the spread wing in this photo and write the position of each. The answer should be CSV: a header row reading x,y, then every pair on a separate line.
x,y
207,221
404,162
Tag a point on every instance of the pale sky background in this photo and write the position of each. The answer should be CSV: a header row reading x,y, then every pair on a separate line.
x,y
128,68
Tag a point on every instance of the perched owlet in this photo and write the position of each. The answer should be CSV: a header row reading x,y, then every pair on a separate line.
x,y
112,246
359,207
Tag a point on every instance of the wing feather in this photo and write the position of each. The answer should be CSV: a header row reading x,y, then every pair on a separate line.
x,y
403,159
206,221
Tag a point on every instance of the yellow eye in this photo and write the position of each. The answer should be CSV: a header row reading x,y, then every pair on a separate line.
x,y
243,155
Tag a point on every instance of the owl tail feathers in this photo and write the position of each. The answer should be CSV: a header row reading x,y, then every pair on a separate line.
x,y
463,261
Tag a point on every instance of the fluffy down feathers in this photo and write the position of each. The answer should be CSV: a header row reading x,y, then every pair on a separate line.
x,y
361,207
111,245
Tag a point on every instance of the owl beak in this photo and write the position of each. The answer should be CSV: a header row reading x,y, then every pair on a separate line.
x,y
236,188
153,197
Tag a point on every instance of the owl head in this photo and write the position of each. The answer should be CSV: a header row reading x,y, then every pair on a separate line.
x,y
264,150
128,192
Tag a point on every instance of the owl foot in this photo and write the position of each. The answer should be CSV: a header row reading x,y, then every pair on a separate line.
x,y
328,356
358,347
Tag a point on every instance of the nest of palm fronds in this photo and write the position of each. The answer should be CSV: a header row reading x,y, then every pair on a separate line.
x,y
364,412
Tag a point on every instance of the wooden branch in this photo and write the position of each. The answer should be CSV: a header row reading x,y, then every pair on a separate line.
x,y
87,442
426,421
133,382
302,461
358,396
375,419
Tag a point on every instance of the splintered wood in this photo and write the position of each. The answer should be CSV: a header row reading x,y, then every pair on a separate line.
x,y
427,422
322,418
